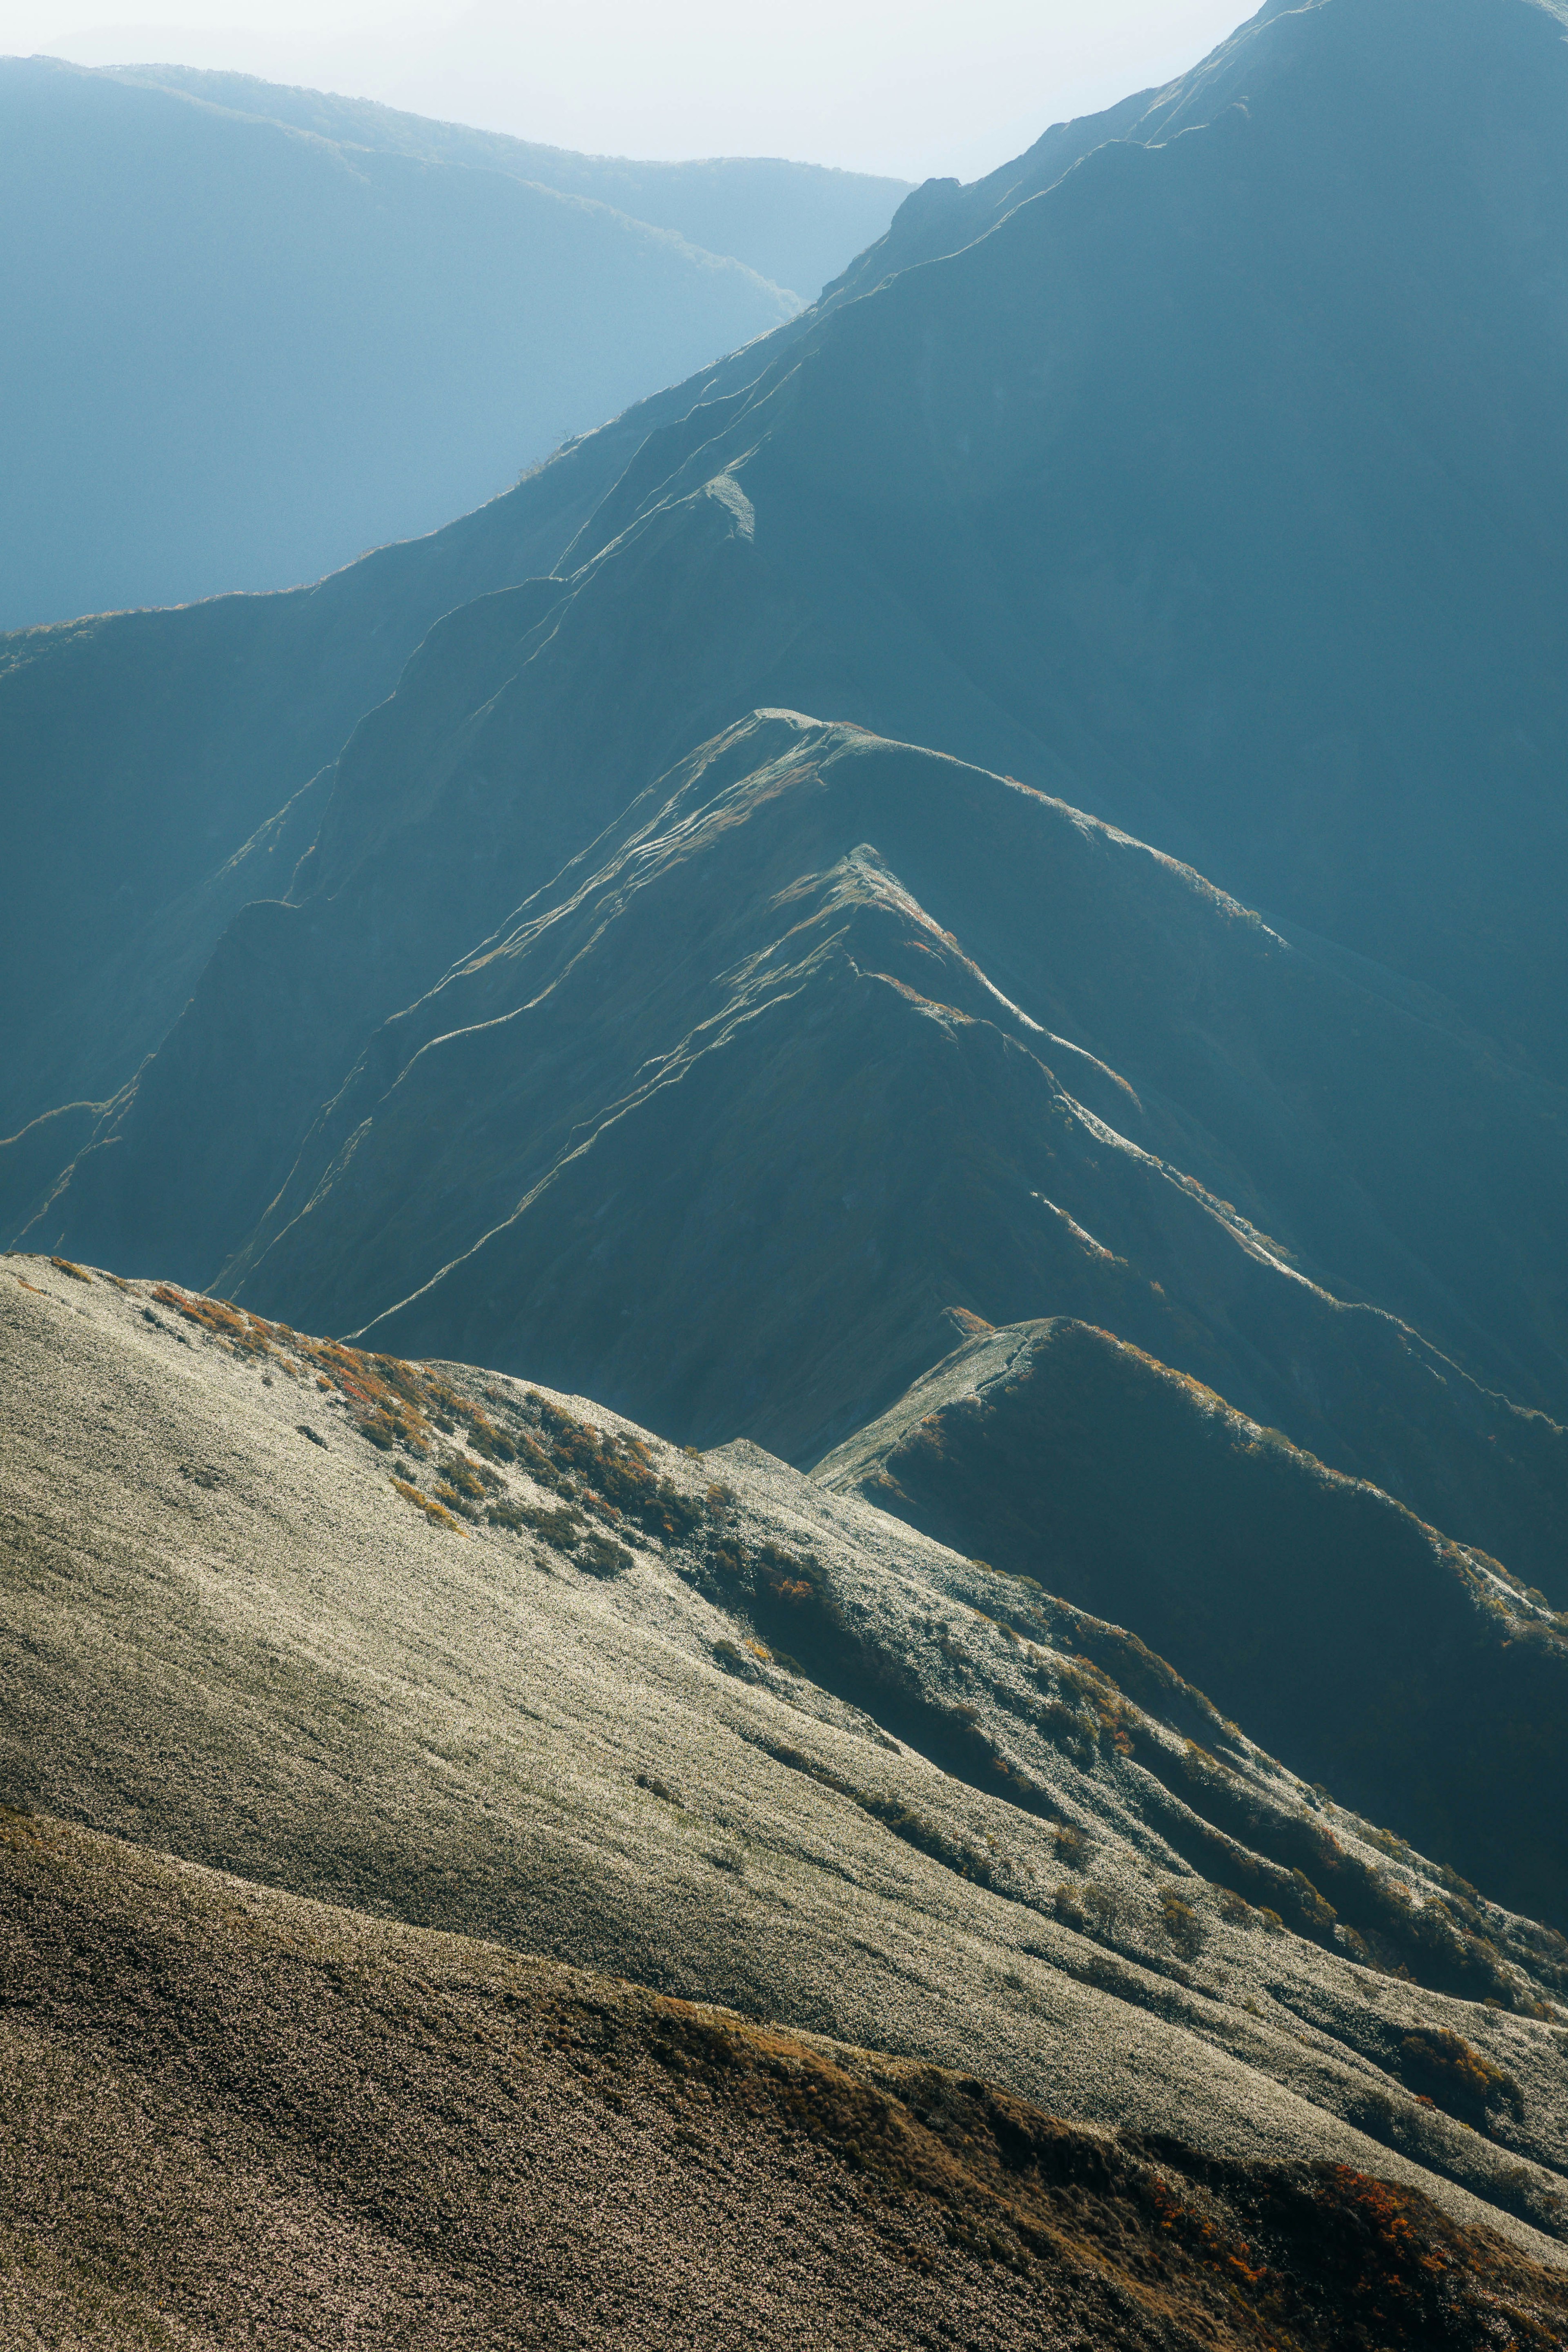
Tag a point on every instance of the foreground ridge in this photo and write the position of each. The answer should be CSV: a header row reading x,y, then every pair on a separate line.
x,y
418,1640
242,2116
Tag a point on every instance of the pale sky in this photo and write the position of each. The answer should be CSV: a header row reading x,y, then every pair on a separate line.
x,y
907,86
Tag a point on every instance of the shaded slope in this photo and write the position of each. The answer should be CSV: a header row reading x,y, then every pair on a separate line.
x,y
422,1641
1366,1650
246,352
1247,512
795,225
1286,621
146,752
653,1141
233,2116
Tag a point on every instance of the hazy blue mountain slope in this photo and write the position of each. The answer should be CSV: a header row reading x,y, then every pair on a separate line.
x,y
1227,471
144,751
1286,621
795,225
240,353
1369,1651
649,1129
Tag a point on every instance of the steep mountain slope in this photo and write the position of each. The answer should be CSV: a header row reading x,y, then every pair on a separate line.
x,y
146,751
251,2119
1368,1652
1216,488
116,731
1225,472
795,225
1297,487
243,353
420,1641
829,1037
862,529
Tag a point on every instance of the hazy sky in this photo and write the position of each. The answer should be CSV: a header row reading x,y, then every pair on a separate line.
x,y
910,87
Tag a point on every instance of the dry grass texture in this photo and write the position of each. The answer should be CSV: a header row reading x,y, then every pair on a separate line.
x,y
231,2116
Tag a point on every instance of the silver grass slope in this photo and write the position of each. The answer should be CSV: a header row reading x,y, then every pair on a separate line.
x,y
228,1634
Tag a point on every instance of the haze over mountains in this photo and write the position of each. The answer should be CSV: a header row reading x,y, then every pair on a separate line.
x,y
966,908
256,331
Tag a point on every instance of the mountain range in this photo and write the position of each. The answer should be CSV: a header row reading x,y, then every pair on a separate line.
x,y
941,948
256,331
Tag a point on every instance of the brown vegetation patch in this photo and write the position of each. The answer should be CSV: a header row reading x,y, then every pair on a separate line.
x,y
433,1511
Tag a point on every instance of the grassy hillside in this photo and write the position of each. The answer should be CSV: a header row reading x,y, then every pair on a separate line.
x,y
244,353
421,1642
1408,1673
233,2118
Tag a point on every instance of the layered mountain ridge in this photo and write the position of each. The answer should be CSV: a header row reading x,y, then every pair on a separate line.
x,y
942,948
1373,1653
792,224
1310,1181
1133,1102
326,327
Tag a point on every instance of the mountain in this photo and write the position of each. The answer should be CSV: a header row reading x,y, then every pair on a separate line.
x,y
113,728
423,1643
1369,1651
252,342
306,2121
1023,808
1329,1187
639,1139
156,763
797,225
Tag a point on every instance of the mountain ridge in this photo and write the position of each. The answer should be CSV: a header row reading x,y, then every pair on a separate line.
x,y
475,317
907,1014
705,202
1366,1648
1101,1113
445,1674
